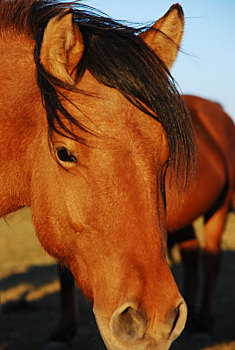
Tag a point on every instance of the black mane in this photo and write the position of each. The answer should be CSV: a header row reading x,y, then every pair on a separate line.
x,y
116,57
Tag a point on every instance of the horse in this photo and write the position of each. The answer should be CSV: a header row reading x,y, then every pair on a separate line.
x,y
90,122
209,196
212,198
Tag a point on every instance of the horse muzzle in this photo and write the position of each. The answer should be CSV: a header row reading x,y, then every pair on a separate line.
x,y
130,329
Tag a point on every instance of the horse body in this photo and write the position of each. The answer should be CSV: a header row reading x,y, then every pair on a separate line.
x,y
210,196
18,127
89,164
214,180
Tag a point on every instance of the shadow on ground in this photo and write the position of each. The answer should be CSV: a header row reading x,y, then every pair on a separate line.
x,y
36,275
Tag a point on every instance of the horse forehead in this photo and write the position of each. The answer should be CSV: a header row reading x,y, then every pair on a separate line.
x,y
104,98
104,109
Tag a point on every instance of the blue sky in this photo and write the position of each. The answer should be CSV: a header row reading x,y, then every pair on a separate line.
x,y
206,67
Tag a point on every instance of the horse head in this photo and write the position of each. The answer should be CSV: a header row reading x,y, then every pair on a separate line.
x,y
97,179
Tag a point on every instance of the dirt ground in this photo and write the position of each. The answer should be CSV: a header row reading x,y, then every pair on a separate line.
x,y
30,301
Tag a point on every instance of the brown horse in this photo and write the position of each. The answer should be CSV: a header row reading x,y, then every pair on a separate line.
x,y
210,196
90,120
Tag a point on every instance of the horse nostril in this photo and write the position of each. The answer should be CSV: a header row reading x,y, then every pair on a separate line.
x,y
177,314
180,316
128,324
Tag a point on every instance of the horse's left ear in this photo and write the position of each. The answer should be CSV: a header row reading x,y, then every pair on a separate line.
x,y
62,47
164,37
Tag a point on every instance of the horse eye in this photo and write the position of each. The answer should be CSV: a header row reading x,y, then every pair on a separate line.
x,y
65,155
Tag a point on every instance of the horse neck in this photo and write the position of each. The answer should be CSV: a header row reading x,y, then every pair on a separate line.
x,y
20,104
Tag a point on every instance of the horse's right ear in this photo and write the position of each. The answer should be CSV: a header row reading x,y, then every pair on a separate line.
x,y
62,47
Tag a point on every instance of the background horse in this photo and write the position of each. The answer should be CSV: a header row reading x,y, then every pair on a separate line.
x,y
211,198
90,120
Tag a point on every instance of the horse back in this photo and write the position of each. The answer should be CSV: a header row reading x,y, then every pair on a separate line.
x,y
216,123
215,168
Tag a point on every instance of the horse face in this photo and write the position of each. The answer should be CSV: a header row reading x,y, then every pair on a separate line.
x,y
106,219
105,216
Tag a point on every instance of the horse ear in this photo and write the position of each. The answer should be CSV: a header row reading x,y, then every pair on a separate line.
x,y
62,47
164,37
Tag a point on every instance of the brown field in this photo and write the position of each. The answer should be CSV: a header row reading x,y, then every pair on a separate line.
x,y
29,292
